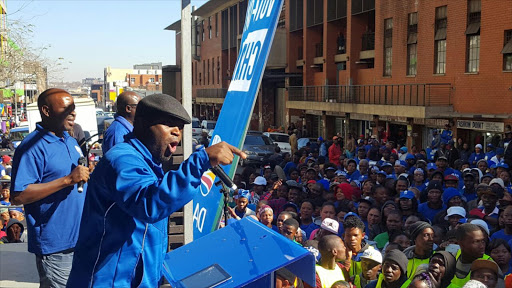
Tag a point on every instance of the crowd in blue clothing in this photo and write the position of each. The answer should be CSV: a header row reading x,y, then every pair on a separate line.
x,y
444,186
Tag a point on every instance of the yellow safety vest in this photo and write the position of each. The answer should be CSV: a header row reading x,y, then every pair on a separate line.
x,y
355,268
381,279
413,264
357,281
328,277
458,282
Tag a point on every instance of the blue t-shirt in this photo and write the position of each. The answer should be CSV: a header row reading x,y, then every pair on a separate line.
x,y
52,222
500,234
354,175
428,212
309,228
115,132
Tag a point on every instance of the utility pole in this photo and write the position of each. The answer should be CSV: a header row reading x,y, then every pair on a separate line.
x,y
186,96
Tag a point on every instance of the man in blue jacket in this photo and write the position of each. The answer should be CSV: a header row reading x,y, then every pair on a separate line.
x,y
126,105
123,233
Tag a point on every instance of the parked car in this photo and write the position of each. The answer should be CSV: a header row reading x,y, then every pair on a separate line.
x,y
196,128
281,139
208,125
258,148
18,134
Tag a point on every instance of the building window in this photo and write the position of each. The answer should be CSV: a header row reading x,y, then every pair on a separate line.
x,y
217,25
507,51
204,73
213,71
151,80
412,41
208,71
210,27
132,80
388,46
218,70
473,36
202,30
440,40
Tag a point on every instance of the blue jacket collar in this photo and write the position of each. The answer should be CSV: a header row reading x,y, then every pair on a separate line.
x,y
123,122
154,164
47,135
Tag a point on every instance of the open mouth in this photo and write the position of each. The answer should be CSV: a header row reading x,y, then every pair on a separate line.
x,y
173,146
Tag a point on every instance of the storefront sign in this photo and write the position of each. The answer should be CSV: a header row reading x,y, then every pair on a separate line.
x,y
480,125
431,122
364,117
393,119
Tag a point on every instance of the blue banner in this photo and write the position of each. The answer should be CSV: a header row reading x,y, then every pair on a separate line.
x,y
259,29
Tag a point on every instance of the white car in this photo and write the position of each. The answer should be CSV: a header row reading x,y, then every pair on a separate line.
x,y
208,125
281,139
196,128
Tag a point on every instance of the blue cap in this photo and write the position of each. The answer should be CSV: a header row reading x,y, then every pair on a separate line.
x,y
409,156
419,170
407,194
490,145
244,193
403,149
463,220
502,165
291,204
386,164
330,168
401,163
382,173
488,175
449,193
390,176
341,173
500,151
320,138
431,166
350,214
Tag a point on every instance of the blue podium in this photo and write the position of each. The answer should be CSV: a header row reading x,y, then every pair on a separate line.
x,y
243,254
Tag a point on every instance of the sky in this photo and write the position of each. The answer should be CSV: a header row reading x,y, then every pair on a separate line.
x,y
87,36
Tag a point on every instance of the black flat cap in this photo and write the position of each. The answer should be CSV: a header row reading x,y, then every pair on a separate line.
x,y
162,105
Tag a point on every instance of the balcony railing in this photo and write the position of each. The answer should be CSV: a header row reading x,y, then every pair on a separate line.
x,y
211,93
398,94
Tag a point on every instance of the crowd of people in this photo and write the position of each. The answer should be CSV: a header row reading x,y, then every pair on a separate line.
x,y
378,215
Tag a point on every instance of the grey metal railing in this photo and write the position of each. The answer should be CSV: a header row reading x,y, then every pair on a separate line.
x,y
435,94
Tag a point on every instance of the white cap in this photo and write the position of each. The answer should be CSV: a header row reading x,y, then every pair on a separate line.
x,y
498,181
260,180
372,254
481,223
455,210
330,225
478,146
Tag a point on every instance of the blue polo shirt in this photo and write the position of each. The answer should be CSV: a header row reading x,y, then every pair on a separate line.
x,y
428,212
53,222
115,132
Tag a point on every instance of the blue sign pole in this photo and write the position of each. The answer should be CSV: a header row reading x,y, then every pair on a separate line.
x,y
259,29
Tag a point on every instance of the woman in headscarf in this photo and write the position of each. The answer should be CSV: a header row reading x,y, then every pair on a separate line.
x,y
394,271
441,268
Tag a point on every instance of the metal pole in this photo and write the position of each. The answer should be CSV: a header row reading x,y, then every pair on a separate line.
x,y
186,94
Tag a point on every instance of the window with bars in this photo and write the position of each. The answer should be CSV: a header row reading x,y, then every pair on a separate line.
x,y
507,51
216,24
202,30
388,46
412,40
207,73
210,27
441,25
218,70
473,36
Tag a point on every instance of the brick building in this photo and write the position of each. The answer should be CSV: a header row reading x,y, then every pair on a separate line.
x,y
216,36
400,68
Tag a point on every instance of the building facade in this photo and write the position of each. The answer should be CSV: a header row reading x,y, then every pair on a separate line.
x,y
400,69
216,35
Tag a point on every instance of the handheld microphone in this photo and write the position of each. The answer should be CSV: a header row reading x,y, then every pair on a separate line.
x,y
82,161
219,172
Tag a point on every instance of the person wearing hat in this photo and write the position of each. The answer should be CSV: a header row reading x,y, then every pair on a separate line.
x,y
451,180
122,236
7,164
485,271
441,268
335,151
488,211
14,230
469,189
126,104
371,264
422,234
258,189
394,271
328,270
476,156
434,202
407,203
453,216
45,175
489,152
472,244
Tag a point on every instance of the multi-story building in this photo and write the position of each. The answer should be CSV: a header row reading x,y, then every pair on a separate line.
x,y
216,36
3,28
399,68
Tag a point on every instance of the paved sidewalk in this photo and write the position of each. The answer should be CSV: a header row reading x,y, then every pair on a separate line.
x,y
17,267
